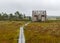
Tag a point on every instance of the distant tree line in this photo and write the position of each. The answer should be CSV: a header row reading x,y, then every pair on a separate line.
x,y
14,17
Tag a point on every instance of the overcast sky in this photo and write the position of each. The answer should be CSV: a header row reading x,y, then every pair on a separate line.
x,y
26,6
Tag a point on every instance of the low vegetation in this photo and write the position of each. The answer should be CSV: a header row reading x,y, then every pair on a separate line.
x,y
43,32
9,31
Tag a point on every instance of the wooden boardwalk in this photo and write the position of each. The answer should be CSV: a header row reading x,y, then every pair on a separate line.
x,y
21,35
